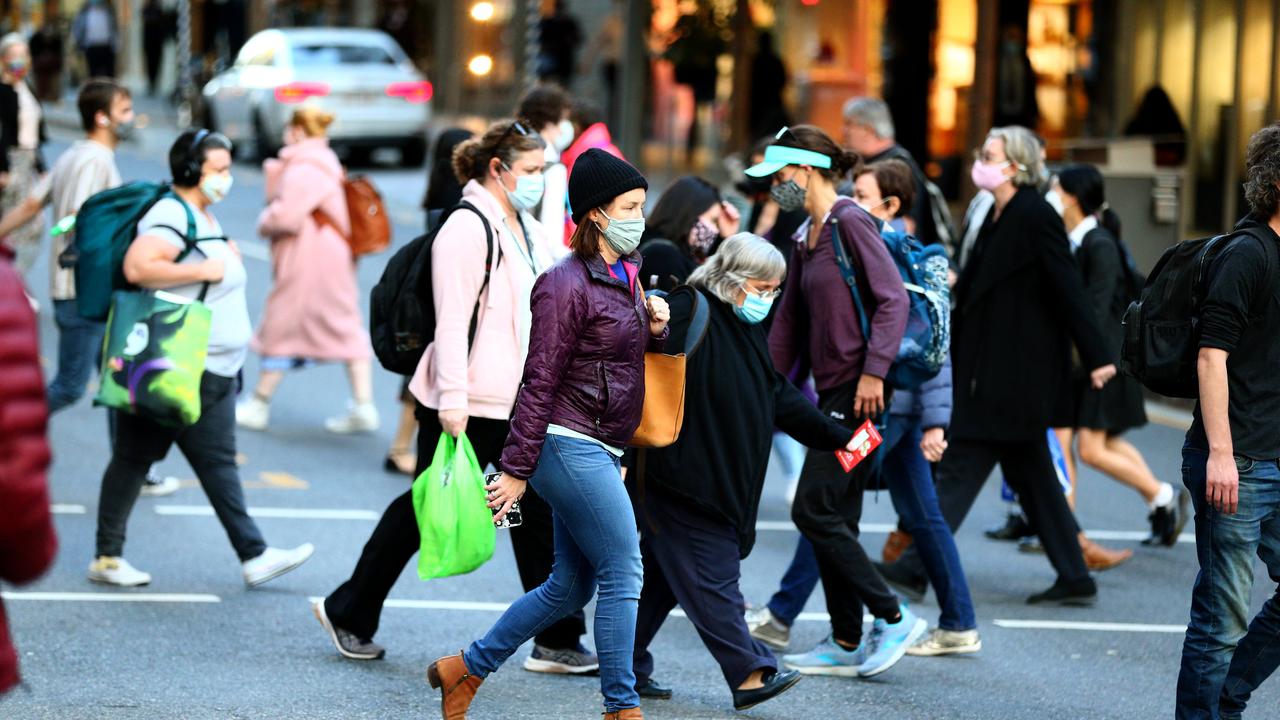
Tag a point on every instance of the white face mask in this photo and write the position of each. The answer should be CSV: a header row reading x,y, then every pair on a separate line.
x,y
1055,201
566,136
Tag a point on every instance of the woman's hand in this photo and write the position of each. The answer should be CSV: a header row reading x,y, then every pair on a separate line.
x,y
868,401
1102,375
730,220
933,444
659,314
502,493
454,422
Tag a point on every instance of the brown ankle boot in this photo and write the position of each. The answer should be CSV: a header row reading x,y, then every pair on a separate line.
x,y
628,714
1097,557
457,686
897,544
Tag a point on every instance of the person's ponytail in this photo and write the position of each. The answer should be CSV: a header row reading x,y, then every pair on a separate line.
x,y
1109,220
467,160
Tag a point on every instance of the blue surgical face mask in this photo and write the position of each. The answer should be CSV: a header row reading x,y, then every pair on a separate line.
x,y
622,235
528,192
754,309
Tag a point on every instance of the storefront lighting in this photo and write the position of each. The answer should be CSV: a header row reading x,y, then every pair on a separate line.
x,y
482,12
480,65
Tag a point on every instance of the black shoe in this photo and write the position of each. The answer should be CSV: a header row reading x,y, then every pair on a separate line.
x,y
1167,522
909,586
652,690
1081,593
1031,545
774,685
1015,527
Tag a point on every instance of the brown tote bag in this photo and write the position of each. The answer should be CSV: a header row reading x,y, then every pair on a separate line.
x,y
664,377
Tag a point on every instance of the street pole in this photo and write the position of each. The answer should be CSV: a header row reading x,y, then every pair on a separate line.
x,y
635,73
532,16
186,104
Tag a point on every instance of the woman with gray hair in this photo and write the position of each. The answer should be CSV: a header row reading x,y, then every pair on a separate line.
x,y
696,500
21,135
1019,306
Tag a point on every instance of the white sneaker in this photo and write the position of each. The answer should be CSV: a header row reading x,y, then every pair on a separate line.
x,y
156,486
274,562
253,414
117,571
360,417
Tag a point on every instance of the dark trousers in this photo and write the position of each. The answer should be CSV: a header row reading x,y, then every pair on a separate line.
x,y
356,606
209,445
691,559
827,509
1028,469
101,61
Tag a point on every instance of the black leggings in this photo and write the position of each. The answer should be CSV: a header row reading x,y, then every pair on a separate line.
x,y
356,606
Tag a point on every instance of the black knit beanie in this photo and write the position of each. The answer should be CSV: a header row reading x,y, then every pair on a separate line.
x,y
598,178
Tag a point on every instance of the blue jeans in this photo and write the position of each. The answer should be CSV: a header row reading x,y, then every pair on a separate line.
x,y
79,345
911,488
596,545
1225,657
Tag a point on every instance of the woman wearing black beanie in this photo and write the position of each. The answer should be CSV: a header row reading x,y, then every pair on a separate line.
x,y
579,405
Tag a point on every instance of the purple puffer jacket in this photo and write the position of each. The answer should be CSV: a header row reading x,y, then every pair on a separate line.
x,y
585,369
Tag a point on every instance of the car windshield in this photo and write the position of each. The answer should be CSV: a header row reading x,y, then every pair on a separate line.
x,y
329,55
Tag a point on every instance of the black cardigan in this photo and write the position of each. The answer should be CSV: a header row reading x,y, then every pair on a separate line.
x,y
9,127
1103,270
733,399
1020,303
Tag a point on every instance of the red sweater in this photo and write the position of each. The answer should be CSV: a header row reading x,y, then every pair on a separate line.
x,y
27,541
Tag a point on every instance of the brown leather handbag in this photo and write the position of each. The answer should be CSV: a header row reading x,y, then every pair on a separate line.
x,y
664,377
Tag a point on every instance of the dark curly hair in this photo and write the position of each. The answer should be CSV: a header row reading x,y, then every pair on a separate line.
x,y
1262,173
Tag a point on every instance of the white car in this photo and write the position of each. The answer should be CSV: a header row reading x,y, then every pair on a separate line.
x,y
362,76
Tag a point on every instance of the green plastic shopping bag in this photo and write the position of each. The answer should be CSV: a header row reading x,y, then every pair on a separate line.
x,y
153,356
454,519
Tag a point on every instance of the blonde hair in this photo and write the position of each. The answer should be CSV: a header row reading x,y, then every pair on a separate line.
x,y
1023,151
312,120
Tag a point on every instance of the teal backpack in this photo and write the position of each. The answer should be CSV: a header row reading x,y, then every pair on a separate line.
x,y
105,225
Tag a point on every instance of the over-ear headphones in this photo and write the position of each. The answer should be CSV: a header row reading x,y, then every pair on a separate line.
x,y
187,173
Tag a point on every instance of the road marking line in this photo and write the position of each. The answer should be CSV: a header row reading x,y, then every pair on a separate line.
x,y
881,528
343,514
1168,416
272,512
465,605
67,509
111,597
1089,626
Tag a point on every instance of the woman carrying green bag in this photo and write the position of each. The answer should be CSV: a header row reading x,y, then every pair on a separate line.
x,y
201,166
455,524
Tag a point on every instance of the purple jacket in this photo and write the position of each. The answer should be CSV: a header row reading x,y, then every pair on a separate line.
x,y
818,309
585,369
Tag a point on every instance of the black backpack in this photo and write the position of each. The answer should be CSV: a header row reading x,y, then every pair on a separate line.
x,y
402,308
1162,328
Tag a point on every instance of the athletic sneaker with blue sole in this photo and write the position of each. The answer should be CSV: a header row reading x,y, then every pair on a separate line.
x,y
828,658
887,643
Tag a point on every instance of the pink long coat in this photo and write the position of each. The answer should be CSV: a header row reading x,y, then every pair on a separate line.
x,y
313,310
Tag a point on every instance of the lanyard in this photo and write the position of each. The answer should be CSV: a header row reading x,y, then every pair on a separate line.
x,y
525,250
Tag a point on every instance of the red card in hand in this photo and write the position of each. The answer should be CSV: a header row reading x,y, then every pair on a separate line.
x,y
866,439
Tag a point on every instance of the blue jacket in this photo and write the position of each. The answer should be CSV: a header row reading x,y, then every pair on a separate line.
x,y
931,403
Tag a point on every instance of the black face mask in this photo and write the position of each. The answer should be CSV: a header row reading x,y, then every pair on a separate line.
x,y
752,187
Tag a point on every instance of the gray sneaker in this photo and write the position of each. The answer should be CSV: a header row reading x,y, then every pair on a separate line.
x,y
946,642
767,629
348,644
570,661
154,485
